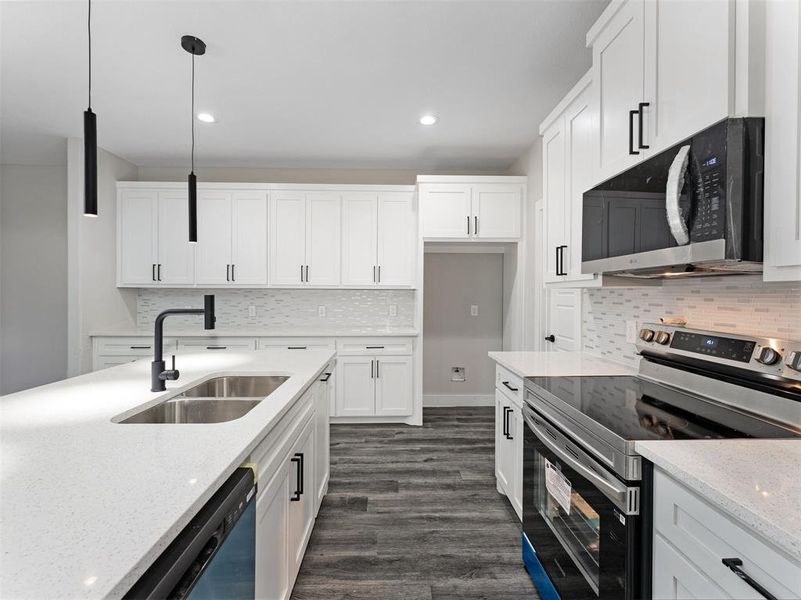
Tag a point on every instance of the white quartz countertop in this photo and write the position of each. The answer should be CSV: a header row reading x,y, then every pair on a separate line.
x,y
199,332
559,364
755,481
86,505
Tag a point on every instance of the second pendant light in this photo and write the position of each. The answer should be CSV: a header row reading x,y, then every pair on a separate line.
x,y
196,47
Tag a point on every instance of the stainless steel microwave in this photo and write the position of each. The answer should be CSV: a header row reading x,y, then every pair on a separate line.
x,y
694,209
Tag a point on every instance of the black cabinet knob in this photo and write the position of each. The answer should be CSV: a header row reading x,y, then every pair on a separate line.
x,y
550,338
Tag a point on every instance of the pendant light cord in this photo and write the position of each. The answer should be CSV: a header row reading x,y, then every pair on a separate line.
x,y
89,29
192,115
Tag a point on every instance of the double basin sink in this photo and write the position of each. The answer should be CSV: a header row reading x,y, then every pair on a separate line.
x,y
216,400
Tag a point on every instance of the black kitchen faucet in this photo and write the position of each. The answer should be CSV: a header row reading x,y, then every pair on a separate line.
x,y
158,374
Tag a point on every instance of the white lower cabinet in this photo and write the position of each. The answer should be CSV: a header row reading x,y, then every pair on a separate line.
x,y
289,464
374,385
692,538
509,450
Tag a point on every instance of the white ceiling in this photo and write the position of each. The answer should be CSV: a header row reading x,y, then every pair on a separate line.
x,y
293,83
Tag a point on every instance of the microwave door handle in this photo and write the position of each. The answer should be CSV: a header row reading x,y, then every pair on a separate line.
x,y
675,183
617,493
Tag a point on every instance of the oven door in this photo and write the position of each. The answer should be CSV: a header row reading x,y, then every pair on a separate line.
x,y
580,523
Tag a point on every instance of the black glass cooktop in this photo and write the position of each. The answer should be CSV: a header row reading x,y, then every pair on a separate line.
x,y
639,409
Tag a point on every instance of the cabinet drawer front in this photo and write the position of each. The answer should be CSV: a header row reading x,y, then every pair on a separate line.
x,y
706,536
375,346
104,362
297,344
509,383
212,344
129,346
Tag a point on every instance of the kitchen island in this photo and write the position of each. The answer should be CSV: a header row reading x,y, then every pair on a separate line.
x,y
88,504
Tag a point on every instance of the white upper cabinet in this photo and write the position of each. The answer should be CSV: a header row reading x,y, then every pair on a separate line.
x,y
322,238
232,238
617,59
470,208
556,213
304,238
782,145
137,243
153,238
249,237
664,70
378,239
359,238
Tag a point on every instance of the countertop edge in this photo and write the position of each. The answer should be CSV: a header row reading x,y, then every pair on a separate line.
x,y
502,358
102,333
773,534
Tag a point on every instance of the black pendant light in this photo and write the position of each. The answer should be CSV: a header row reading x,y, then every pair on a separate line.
x,y
90,142
195,47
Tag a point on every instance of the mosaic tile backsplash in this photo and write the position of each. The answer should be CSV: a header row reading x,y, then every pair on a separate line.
x,y
743,304
284,309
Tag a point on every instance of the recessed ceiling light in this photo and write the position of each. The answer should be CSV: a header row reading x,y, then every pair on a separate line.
x,y
206,117
428,120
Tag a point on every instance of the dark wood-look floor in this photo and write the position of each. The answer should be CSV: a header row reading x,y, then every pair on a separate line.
x,y
413,513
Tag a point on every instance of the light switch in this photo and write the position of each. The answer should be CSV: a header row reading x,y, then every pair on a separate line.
x,y
321,310
393,310
251,311
474,310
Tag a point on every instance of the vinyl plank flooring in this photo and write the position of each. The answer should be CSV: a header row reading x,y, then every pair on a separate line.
x,y
413,513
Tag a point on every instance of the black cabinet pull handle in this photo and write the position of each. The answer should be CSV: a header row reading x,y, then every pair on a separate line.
x,y
233,272
377,368
631,132
379,273
557,260
734,564
374,347
550,338
298,460
139,347
640,111
307,273
509,435
372,369
216,347
374,281
475,225
158,271
296,347
562,260
505,424
153,272
325,377
301,273
228,272
506,383
468,224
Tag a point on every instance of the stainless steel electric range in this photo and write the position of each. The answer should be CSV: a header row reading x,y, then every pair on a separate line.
x,y
586,492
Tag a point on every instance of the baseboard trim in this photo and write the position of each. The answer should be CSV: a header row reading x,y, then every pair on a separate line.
x,y
432,400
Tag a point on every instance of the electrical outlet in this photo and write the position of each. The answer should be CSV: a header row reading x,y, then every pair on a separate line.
x,y
321,311
393,310
457,374
474,310
251,311
631,332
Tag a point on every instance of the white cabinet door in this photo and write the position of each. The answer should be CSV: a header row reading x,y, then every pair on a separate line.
x,y
782,147
687,48
617,59
301,497
249,237
497,210
323,246
563,320
445,211
396,239
355,386
322,440
516,476
213,248
504,459
581,165
393,386
555,197
137,224
272,537
176,254
287,238
359,238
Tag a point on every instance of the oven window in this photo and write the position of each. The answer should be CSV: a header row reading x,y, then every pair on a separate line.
x,y
570,516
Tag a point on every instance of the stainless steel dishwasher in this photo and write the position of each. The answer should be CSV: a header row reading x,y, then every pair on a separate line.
x,y
215,555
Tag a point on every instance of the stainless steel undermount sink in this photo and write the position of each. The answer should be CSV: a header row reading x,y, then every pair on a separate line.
x,y
216,400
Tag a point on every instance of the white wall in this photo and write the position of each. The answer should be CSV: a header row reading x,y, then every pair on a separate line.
x,y
451,336
530,164
33,269
94,300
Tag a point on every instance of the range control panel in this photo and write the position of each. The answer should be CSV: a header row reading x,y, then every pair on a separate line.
x,y
714,345
765,355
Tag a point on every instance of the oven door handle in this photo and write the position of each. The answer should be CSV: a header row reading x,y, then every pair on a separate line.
x,y
627,499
